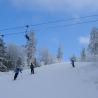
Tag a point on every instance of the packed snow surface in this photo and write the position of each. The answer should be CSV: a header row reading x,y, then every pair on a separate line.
x,y
52,81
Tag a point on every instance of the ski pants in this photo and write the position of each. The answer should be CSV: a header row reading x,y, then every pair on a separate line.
x,y
32,70
15,76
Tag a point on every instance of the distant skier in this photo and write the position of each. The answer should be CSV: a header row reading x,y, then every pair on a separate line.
x,y
17,70
32,68
72,62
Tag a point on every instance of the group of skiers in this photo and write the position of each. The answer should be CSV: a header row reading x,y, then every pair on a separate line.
x,y
18,69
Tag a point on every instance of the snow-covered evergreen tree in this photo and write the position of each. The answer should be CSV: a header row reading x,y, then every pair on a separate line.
x,y
14,52
83,54
93,45
45,56
30,47
3,54
59,53
2,48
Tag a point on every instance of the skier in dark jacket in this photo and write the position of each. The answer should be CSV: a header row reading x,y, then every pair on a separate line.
x,y
18,67
17,70
32,68
72,62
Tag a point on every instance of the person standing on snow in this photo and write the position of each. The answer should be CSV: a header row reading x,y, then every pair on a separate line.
x,y
32,68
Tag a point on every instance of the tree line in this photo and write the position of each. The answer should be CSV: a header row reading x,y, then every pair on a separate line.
x,y
28,53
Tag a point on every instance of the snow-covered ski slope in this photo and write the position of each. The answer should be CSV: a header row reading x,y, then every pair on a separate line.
x,y
52,81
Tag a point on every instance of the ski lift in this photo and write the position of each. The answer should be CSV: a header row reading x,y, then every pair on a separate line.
x,y
26,35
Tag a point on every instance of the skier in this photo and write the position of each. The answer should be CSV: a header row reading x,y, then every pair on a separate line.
x,y
32,68
72,62
18,67
17,70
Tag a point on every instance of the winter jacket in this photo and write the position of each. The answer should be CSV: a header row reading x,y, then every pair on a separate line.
x,y
32,66
17,70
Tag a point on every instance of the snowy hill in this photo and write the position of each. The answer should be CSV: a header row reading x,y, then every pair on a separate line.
x,y
52,81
